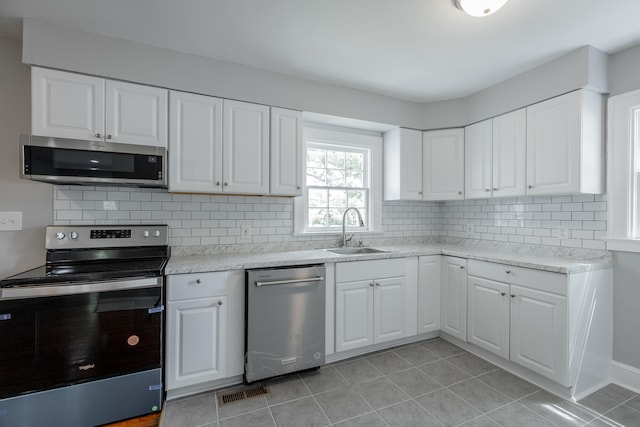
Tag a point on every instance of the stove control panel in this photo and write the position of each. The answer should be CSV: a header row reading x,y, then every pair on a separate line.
x,y
105,236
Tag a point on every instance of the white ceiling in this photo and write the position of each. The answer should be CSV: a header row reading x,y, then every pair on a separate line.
x,y
418,50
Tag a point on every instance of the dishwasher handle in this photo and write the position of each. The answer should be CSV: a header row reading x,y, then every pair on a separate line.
x,y
289,281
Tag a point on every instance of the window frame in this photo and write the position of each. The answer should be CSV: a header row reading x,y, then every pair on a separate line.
x,y
315,135
623,173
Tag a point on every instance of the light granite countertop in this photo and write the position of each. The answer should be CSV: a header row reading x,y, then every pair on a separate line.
x,y
557,260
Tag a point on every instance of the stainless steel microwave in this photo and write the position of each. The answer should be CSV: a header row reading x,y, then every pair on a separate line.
x,y
68,161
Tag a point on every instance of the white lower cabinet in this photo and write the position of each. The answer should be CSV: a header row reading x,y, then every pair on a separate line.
x,y
429,293
556,325
453,297
371,302
205,330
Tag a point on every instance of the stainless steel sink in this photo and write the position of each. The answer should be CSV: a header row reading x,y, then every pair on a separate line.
x,y
354,251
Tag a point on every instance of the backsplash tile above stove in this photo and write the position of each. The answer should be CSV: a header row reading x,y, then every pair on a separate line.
x,y
198,220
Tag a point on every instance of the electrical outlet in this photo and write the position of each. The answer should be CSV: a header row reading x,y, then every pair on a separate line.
x,y
245,231
469,228
563,232
10,221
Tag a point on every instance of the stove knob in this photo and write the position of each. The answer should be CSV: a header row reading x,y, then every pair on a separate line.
x,y
145,233
156,233
59,235
73,235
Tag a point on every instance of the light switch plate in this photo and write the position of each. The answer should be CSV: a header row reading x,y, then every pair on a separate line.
x,y
245,232
10,221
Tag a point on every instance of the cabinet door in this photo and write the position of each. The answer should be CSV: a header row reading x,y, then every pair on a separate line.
x,y
478,157
196,341
354,314
389,309
195,145
245,147
403,164
135,114
553,145
429,294
488,315
67,105
539,332
443,164
509,154
453,306
287,158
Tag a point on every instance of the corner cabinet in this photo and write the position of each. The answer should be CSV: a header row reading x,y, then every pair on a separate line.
x,y
403,164
76,106
443,164
205,330
453,297
218,145
286,153
565,144
371,302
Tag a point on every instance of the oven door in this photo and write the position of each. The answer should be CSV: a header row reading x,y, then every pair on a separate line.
x,y
69,338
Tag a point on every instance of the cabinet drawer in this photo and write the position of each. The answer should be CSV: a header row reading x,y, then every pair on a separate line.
x,y
196,285
371,269
535,279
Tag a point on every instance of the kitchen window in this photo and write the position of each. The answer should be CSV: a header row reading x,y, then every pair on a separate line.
x,y
343,169
624,172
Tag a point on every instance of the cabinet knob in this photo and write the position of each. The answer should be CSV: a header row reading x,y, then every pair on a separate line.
x,y
371,284
198,281
495,188
109,136
419,192
508,271
462,267
529,186
513,295
377,284
486,190
217,183
503,293
225,183
460,193
298,187
98,135
219,302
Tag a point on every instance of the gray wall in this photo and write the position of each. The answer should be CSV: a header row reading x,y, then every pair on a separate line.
x,y
626,316
19,250
624,71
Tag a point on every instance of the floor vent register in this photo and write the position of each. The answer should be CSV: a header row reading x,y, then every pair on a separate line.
x,y
233,396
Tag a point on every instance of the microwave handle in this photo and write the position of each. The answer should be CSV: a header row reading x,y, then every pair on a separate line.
x,y
25,292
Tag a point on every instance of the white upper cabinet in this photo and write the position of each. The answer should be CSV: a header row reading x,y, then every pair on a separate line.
x,y
135,114
443,164
403,164
245,148
565,144
66,105
478,157
495,156
287,157
195,145
75,106
509,154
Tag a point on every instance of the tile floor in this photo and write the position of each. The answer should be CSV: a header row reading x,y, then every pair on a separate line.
x,y
431,383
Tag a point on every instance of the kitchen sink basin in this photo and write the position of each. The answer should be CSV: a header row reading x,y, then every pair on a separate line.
x,y
354,251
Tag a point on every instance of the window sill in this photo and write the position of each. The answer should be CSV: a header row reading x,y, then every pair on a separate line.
x,y
624,245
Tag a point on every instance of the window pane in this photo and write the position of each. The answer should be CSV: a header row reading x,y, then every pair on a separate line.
x,y
316,158
335,218
316,177
335,178
318,198
335,159
352,218
338,198
355,179
355,161
317,217
357,198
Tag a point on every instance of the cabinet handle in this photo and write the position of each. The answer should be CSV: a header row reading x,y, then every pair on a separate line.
x,y
109,136
419,192
503,293
219,302
217,183
529,186
486,190
495,188
508,271
198,281
513,295
98,135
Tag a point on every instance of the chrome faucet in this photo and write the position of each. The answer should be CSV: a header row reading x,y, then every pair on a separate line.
x,y
344,221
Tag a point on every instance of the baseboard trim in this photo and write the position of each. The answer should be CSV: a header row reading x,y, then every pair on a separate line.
x,y
625,376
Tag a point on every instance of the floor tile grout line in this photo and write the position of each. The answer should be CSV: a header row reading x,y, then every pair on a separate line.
x,y
314,398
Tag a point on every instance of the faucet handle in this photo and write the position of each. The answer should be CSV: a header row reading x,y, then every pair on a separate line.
x,y
348,239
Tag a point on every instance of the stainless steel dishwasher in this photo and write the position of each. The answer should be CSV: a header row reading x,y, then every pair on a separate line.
x,y
285,313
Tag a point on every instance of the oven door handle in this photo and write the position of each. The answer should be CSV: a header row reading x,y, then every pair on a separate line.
x,y
55,290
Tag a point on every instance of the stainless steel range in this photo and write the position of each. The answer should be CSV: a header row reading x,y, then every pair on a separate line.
x,y
81,336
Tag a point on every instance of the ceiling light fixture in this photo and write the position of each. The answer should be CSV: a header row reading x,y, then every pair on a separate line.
x,y
479,8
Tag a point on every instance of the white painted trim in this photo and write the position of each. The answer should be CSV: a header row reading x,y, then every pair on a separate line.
x,y
625,376
624,245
